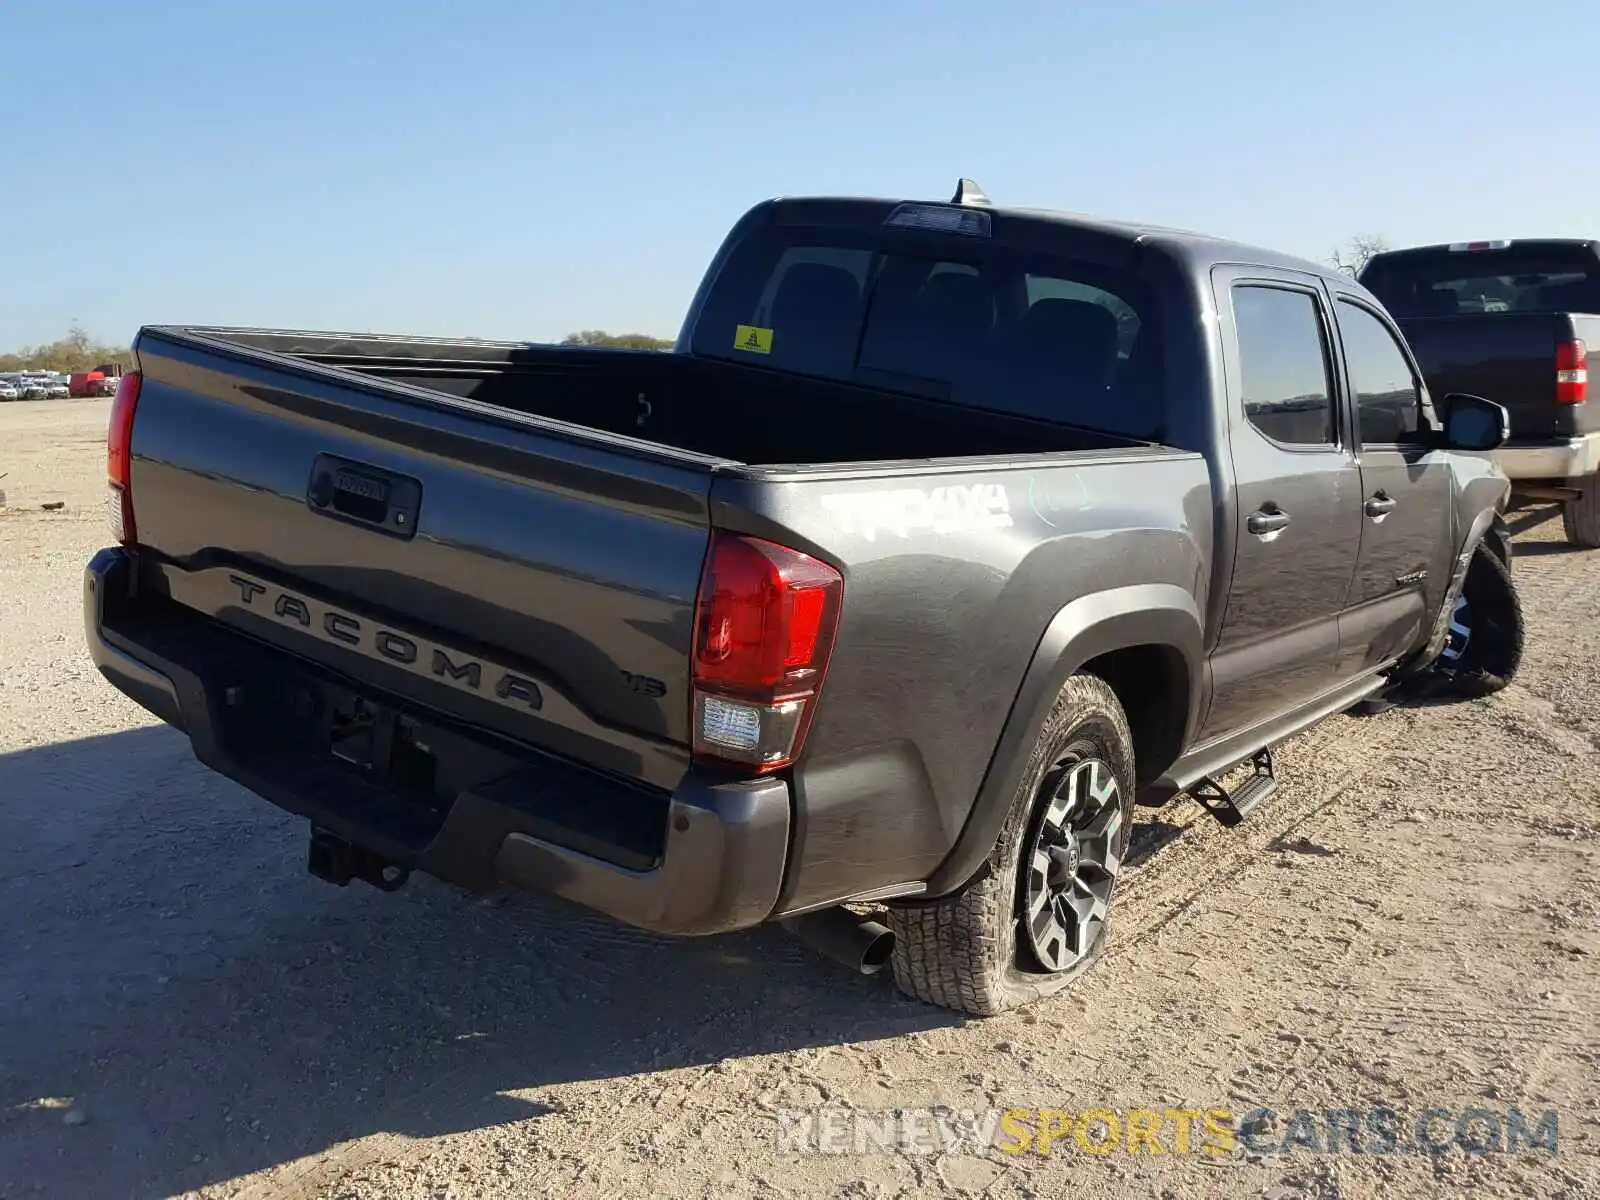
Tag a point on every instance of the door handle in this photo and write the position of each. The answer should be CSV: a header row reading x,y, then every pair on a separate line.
x,y
1381,505
362,494
1266,520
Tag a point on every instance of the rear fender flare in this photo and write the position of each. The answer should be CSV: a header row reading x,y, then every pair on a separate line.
x,y
1093,625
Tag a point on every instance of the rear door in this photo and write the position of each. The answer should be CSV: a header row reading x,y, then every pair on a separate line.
x,y
1296,503
1406,537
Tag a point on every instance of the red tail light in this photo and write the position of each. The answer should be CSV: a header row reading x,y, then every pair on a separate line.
x,y
119,459
1572,373
764,625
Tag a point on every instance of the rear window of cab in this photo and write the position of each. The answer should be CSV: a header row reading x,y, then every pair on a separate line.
x,y
953,318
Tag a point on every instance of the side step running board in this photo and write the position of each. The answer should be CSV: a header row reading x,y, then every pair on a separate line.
x,y
1231,808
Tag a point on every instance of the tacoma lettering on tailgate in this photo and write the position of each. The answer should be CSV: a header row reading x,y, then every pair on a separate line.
x,y
380,641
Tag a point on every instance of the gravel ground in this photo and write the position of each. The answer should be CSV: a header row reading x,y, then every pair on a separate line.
x,y
1413,921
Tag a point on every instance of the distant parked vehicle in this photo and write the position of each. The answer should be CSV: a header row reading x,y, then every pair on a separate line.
x,y
102,381
8,391
1517,322
44,385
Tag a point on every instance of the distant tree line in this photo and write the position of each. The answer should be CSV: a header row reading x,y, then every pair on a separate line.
x,y
75,352
619,341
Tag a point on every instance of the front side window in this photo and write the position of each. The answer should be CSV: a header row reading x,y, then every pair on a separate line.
x,y
1283,365
1388,400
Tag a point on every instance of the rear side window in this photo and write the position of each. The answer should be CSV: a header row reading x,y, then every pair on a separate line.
x,y
1388,399
1449,283
956,319
1283,363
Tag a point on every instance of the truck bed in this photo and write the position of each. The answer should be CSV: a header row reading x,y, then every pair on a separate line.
x,y
564,500
720,410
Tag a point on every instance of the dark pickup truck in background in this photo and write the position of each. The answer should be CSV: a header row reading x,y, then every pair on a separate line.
x,y
1514,321
946,534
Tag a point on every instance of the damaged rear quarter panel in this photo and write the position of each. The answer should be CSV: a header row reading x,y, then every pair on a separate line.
x,y
951,577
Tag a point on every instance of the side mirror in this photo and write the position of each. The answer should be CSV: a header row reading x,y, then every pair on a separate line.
x,y
1473,423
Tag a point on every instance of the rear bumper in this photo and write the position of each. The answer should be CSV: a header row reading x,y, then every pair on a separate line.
x,y
1564,458
716,862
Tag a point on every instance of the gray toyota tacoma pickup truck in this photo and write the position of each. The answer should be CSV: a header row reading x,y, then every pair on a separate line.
x,y
948,533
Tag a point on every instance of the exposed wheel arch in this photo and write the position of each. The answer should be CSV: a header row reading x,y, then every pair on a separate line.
x,y
1488,533
1497,539
1153,684
1487,648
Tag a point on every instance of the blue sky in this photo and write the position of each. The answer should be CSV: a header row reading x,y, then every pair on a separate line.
x,y
523,170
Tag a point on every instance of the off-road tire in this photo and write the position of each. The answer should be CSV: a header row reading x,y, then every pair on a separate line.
x,y
1494,651
1581,517
963,951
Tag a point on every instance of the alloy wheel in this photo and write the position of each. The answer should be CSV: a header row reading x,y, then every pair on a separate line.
x,y
1072,863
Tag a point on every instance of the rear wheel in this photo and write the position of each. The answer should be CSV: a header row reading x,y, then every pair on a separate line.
x,y
1484,648
1581,517
1036,915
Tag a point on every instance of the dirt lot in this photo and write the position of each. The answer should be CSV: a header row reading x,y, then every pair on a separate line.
x,y
1412,922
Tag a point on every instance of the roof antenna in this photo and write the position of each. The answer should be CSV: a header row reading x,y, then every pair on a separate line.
x,y
968,192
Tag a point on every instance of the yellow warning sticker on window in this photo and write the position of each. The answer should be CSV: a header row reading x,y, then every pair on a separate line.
x,y
752,338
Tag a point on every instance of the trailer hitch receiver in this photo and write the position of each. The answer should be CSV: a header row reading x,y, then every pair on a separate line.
x,y
338,860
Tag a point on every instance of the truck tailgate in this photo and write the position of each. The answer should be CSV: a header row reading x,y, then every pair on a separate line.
x,y
540,584
1509,358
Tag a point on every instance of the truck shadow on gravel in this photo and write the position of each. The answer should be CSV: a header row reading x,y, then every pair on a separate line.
x,y
1547,549
181,1004
1526,519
